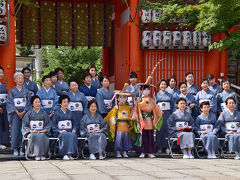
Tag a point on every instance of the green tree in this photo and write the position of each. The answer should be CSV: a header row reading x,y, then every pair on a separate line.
x,y
74,62
212,16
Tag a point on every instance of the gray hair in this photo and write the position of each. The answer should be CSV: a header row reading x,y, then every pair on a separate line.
x,y
17,74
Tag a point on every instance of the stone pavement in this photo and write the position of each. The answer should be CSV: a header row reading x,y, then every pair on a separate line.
x,y
121,169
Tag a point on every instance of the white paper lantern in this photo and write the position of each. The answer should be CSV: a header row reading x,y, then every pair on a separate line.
x,y
206,39
2,8
146,39
167,38
157,38
197,38
176,38
186,38
156,15
146,16
3,33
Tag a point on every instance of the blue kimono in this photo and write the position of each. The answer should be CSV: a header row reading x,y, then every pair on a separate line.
x,y
17,100
31,86
57,88
174,92
49,99
216,88
221,98
68,140
166,103
208,124
104,101
89,92
4,125
207,96
230,122
78,104
63,86
96,83
135,92
193,89
190,100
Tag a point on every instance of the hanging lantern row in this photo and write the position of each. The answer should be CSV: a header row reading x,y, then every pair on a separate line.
x,y
148,16
3,33
175,39
3,8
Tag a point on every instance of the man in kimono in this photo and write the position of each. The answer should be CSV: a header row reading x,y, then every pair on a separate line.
x,y
62,84
48,96
213,86
133,88
28,84
192,88
54,85
93,71
4,125
87,89
18,103
65,126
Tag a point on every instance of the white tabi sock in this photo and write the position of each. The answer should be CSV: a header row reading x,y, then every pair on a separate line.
x,y
184,152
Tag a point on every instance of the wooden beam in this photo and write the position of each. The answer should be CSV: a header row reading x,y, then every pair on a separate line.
x,y
85,1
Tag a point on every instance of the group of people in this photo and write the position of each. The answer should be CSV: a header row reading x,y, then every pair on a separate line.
x,y
132,118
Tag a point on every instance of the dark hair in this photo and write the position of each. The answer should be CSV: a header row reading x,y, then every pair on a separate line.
x,y
33,98
210,77
72,80
181,99
86,74
103,77
62,97
133,75
52,73
145,87
45,77
162,80
2,68
204,103
224,80
229,99
169,79
59,69
189,72
91,102
181,83
91,66
26,68
204,79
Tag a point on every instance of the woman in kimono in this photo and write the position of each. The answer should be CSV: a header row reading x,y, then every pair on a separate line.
x,y
206,95
171,89
206,127
221,98
133,88
36,127
213,86
192,88
48,96
4,125
18,103
104,97
28,84
87,89
229,121
60,83
180,123
93,71
191,102
94,127
166,103
64,126
148,116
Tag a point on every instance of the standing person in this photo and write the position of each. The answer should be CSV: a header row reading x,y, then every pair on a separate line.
x,y
206,127
4,125
133,88
166,103
55,86
18,103
171,89
221,98
93,71
229,121
28,84
62,84
104,97
180,123
65,126
213,86
48,96
94,127
36,127
206,95
192,88
87,89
